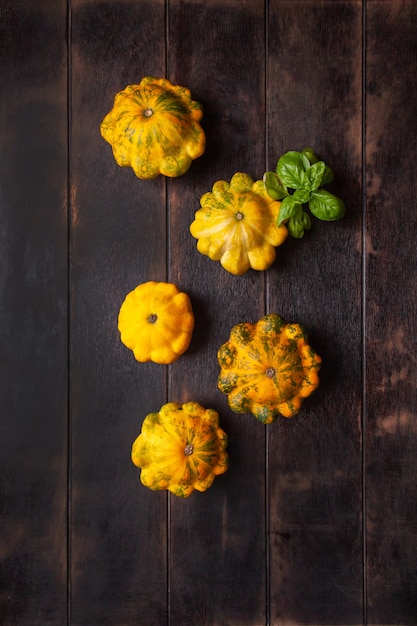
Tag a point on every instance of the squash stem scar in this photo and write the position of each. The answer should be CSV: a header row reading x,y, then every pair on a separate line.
x,y
270,372
189,449
152,318
148,112
239,216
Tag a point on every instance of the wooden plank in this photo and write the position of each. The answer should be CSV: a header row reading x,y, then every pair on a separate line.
x,y
314,100
391,442
132,550
33,312
118,545
217,548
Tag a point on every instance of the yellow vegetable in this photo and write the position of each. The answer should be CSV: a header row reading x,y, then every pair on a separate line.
x,y
236,225
156,321
154,128
181,448
268,368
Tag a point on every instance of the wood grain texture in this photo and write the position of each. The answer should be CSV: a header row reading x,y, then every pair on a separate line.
x,y
315,459
33,313
217,550
119,528
391,345
314,522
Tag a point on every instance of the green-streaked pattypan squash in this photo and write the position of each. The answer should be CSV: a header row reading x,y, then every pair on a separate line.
x,y
154,128
156,321
236,225
268,368
181,448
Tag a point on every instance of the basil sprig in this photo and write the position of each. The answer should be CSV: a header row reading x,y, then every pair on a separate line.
x,y
298,180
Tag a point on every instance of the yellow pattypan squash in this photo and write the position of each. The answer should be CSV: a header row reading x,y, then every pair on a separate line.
x,y
154,128
156,321
267,368
181,448
236,225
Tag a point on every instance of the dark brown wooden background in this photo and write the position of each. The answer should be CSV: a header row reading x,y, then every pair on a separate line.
x,y
315,521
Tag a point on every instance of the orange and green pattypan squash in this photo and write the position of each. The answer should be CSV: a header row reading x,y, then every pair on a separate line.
x,y
236,225
154,128
156,321
268,368
181,448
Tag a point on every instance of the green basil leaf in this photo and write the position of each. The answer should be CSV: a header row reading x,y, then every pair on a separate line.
x,y
307,221
306,162
325,206
298,223
290,170
315,174
287,208
327,176
273,187
301,195
308,152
